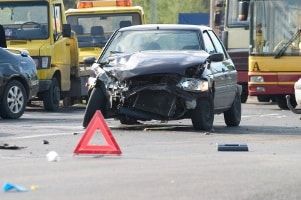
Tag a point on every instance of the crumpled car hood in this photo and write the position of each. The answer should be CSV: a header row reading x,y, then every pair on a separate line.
x,y
124,66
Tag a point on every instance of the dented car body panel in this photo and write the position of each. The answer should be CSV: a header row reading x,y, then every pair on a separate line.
x,y
152,62
165,83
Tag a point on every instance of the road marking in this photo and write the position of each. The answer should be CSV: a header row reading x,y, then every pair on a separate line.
x,y
36,136
265,115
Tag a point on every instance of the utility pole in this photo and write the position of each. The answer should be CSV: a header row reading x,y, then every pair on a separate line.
x,y
153,8
212,9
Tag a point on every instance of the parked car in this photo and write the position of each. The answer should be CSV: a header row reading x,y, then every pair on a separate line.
x,y
165,72
18,82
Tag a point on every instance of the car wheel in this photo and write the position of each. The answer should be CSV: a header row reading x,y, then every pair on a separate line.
x,y
202,116
232,116
13,102
282,102
51,98
96,102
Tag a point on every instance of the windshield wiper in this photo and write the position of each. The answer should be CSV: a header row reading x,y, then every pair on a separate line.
x,y
286,45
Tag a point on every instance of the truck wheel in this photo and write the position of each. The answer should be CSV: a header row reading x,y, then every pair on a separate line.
x,y
232,116
244,94
52,97
96,102
263,98
203,116
13,102
282,103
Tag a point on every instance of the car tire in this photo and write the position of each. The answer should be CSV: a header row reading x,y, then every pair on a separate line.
x,y
14,100
96,102
203,116
52,97
232,116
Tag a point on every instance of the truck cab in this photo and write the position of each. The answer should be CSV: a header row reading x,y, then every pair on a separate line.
x,y
95,21
40,27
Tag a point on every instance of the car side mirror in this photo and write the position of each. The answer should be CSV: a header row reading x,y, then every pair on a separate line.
x,y
216,57
66,30
243,10
89,60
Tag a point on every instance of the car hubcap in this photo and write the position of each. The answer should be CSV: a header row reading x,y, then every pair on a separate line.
x,y
15,99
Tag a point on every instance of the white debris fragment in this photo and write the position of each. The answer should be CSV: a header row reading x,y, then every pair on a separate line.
x,y
53,156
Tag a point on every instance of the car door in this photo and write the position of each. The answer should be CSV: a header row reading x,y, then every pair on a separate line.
x,y
61,47
228,69
222,72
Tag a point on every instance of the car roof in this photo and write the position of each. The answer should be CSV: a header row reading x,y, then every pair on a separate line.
x,y
166,27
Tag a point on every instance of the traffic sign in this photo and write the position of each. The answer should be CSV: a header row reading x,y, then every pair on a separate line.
x,y
96,125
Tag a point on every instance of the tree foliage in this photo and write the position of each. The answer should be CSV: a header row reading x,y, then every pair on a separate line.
x,y
167,11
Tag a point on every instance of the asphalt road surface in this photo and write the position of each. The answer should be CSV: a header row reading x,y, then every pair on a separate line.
x,y
158,160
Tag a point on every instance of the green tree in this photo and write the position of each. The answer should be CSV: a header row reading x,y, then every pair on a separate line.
x,y
167,11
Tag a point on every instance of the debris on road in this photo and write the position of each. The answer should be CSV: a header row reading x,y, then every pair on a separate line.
x,y
45,142
9,186
34,187
53,156
10,147
232,147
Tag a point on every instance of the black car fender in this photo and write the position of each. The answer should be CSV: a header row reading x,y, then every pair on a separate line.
x,y
101,85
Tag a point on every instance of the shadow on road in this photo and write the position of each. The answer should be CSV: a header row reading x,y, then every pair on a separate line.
x,y
250,130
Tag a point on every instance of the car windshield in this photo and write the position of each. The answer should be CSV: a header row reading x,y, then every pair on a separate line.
x,y
275,29
23,20
94,30
143,40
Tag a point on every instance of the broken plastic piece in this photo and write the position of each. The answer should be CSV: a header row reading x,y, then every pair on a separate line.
x,y
232,147
53,156
7,146
9,186
45,142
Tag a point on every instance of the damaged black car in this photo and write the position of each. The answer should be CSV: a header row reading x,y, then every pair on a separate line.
x,y
164,72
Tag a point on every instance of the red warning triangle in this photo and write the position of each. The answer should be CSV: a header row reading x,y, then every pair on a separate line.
x,y
97,123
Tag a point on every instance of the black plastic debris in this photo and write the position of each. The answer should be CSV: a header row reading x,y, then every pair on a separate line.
x,y
10,147
232,147
45,142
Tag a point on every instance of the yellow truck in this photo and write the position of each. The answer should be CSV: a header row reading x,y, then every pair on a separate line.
x,y
40,27
95,21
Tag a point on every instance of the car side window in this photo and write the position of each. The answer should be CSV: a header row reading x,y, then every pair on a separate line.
x,y
217,43
209,47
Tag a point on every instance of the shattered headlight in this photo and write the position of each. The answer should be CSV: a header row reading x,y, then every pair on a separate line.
x,y
192,84
91,82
